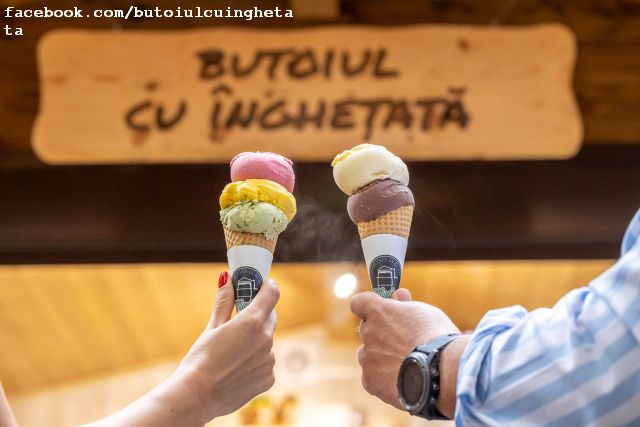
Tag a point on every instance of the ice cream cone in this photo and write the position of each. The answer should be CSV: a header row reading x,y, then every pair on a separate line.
x,y
381,204
237,238
384,243
255,207
249,256
396,222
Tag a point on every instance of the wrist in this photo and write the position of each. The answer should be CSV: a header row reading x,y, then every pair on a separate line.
x,y
178,395
449,362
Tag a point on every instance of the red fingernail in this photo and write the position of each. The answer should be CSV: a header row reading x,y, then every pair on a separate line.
x,y
222,280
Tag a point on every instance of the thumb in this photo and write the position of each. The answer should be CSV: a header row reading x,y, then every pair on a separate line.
x,y
224,302
363,302
265,301
401,294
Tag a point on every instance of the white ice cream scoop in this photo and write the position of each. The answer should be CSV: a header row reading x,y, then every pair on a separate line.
x,y
365,163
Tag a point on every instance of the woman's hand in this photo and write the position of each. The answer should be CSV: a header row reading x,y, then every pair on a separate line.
x,y
232,361
6,416
229,364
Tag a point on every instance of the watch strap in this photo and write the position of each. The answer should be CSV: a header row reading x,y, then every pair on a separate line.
x,y
436,343
432,349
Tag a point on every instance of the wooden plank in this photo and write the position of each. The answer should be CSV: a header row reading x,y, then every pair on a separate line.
x,y
608,33
96,105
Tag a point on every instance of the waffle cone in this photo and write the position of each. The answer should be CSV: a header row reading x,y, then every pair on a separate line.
x,y
237,238
396,222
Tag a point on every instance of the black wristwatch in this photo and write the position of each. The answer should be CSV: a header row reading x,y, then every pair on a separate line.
x,y
419,379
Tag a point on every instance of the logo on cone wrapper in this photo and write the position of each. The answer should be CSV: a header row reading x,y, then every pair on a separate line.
x,y
385,272
246,282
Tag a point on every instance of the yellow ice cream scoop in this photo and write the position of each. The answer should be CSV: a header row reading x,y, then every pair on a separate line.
x,y
259,190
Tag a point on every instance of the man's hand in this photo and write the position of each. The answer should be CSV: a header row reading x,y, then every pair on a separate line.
x,y
389,331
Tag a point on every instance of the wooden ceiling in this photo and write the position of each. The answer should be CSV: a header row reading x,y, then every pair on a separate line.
x,y
324,377
65,323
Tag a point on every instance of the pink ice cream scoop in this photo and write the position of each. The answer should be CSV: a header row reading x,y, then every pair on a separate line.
x,y
271,166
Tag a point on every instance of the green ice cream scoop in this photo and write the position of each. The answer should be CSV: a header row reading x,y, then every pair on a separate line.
x,y
255,217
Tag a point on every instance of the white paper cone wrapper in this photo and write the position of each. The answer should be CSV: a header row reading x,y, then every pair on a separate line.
x,y
384,255
249,267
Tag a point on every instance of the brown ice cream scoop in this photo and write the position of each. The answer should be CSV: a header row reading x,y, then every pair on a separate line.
x,y
378,198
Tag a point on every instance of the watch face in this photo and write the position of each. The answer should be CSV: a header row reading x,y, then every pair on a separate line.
x,y
412,383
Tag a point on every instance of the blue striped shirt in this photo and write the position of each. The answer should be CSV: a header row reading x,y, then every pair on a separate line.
x,y
576,364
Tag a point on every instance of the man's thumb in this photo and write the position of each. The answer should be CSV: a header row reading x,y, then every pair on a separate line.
x,y
401,294
224,303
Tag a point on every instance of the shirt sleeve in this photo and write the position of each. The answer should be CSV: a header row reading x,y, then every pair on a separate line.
x,y
573,364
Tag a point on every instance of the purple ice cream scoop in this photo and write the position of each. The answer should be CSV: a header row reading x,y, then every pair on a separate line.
x,y
377,199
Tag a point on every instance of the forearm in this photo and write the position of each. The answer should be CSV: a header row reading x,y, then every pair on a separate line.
x,y
6,416
545,367
169,404
449,362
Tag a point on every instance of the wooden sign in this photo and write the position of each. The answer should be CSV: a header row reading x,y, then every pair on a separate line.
x,y
426,92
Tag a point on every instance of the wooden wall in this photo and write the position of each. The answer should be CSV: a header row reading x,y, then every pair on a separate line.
x,y
607,79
